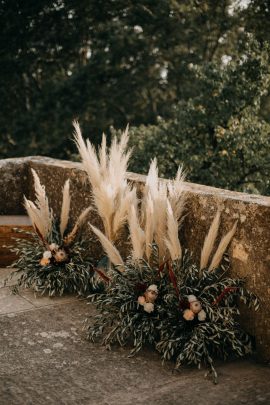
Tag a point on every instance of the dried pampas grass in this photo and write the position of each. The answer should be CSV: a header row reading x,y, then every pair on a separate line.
x,y
172,241
224,243
109,248
65,208
88,155
177,195
149,225
79,223
137,235
210,241
154,212
40,214
126,200
106,171
160,204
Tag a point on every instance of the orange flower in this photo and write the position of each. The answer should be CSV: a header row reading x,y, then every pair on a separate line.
x,y
141,300
188,315
44,261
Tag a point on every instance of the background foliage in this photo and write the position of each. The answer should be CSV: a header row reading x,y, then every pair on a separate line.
x,y
191,77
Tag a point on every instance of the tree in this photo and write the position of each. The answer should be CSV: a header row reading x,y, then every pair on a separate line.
x,y
219,135
104,62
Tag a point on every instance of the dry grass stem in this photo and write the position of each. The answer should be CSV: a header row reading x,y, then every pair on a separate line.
x,y
222,248
172,241
65,208
137,235
109,248
210,241
80,221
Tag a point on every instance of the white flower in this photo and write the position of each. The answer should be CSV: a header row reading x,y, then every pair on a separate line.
x,y
149,307
53,246
153,287
47,254
202,315
191,298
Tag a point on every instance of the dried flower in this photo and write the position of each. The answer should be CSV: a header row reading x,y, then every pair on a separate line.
x,y
61,256
141,300
153,287
53,246
44,261
148,307
195,306
47,254
202,315
151,293
188,315
191,298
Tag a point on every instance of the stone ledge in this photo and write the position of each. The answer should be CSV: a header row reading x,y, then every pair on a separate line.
x,y
249,252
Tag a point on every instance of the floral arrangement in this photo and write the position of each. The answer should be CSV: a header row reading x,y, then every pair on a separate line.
x,y
200,321
54,260
158,295
134,288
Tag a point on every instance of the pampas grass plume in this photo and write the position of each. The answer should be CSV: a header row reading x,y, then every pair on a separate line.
x,y
222,248
109,248
80,221
39,213
137,235
149,225
65,208
172,240
210,241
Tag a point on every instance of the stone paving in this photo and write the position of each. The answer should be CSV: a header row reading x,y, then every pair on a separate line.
x,y
45,359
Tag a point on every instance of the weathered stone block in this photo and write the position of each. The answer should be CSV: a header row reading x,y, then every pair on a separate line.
x,y
249,251
9,226
13,184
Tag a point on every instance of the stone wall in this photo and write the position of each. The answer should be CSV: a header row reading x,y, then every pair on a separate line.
x,y
249,250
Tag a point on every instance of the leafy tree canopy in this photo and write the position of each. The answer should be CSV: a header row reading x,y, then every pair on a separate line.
x,y
111,62
218,134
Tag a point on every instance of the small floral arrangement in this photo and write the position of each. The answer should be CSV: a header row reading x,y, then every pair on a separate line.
x,y
54,260
201,311
129,310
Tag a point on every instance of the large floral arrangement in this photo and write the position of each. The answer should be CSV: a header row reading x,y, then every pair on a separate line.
x,y
159,295
129,308
55,259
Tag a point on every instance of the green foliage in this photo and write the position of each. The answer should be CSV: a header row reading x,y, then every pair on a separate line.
x,y
218,134
199,342
73,276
